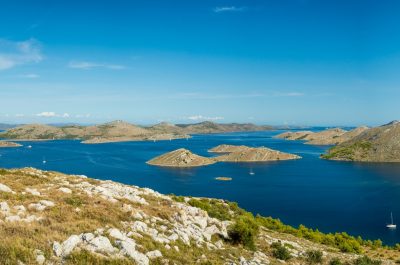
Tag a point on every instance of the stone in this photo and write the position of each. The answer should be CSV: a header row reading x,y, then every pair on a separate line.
x,y
40,259
116,233
34,192
5,188
154,254
100,244
13,218
47,203
65,190
86,237
64,249
139,226
128,248
36,206
4,207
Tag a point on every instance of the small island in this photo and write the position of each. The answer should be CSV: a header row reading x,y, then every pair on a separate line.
x,y
4,144
250,154
232,153
223,178
180,158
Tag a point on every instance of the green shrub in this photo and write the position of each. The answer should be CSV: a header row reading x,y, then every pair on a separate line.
x,y
280,251
74,201
314,257
366,261
244,231
217,209
335,261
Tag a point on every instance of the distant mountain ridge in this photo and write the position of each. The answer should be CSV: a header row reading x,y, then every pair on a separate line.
x,y
118,131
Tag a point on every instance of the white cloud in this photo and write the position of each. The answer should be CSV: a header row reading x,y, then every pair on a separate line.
x,y
204,118
90,65
51,114
47,114
289,94
31,76
17,53
220,9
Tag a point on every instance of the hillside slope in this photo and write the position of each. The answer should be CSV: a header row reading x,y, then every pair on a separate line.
x,y
52,218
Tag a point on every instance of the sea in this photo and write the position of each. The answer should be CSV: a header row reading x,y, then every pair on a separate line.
x,y
332,196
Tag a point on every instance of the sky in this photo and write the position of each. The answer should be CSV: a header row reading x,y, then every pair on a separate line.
x,y
294,62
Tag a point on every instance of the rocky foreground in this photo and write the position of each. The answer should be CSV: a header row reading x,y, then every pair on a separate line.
x,y
52,218
8,144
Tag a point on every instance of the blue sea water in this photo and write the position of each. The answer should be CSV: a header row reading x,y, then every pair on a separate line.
x,y
329,195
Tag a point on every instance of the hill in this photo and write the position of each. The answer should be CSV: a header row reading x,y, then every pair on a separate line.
x,y
379,144
116,131
326,137
119,131
212,127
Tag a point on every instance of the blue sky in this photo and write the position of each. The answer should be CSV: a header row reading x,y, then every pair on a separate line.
x,y
299,62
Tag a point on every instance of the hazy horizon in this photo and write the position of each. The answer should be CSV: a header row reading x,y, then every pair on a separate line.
x,y
303,62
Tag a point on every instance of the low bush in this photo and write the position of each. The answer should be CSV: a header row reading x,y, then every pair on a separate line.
x,y
280,252
244,231
366,261
314,257
335,261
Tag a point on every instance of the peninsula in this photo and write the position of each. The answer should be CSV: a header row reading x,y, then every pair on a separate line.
x,y
378,144
332,136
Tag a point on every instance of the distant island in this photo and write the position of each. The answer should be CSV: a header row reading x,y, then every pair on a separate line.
x,y
326,137
4,144
184,158
378,144
120,131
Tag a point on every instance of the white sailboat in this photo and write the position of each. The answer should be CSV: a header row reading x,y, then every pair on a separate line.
x,y
391,225
251,172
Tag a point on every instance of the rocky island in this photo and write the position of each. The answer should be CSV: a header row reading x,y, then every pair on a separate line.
x,y
231,153
5,144
379,144
250,154
180,158
120,131
53,218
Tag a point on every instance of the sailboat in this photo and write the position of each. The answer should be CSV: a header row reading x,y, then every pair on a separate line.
x,y
391,225
251,172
